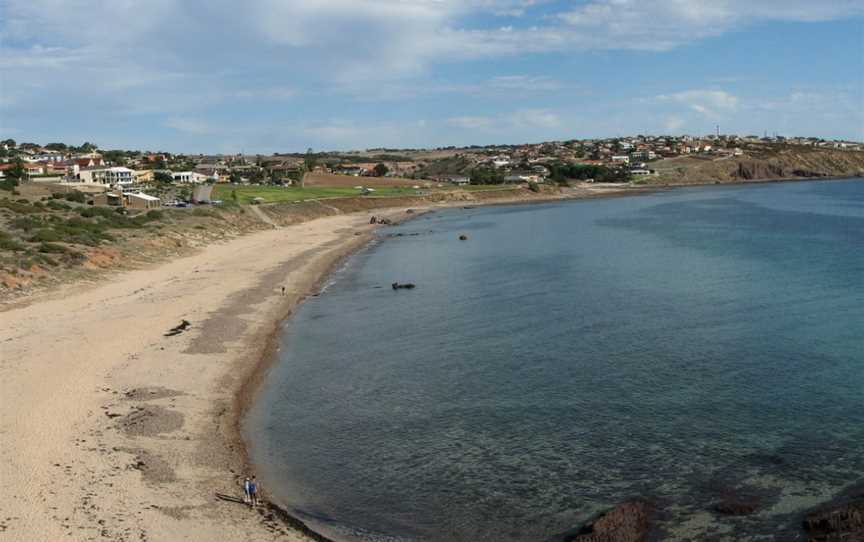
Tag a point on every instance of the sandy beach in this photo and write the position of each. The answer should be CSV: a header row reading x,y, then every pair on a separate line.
x,y
112,430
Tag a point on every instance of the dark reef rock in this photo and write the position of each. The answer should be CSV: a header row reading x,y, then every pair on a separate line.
x,y
731,506
840,523
463,237
627,522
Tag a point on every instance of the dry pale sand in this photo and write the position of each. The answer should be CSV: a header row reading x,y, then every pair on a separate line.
x,y
110,430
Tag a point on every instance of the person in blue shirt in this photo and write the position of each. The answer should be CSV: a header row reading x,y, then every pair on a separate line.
x,y
253,491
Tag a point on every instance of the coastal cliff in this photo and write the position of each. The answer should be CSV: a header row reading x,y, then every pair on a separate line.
x,y
788,163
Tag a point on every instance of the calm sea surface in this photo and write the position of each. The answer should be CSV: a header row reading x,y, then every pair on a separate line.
x,y
678,346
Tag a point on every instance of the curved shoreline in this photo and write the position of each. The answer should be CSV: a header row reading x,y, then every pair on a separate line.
x,y
252,387
112,430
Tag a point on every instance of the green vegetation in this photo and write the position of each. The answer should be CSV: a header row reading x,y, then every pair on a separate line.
x,y
10,244
274,194
486,175
561,173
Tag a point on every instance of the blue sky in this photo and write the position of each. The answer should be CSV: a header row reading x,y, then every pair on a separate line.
x,y
285,75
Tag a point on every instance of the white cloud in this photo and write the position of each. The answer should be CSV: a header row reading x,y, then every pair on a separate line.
x,y
711,103
471,123
673,124
535,118
272,93
525,82
521,119
664,24
190,126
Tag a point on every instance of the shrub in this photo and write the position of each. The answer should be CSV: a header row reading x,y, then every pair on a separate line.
x,y
534,187
8,243
77,197
58,206
52,248
26,223
18,207
45,235
155,215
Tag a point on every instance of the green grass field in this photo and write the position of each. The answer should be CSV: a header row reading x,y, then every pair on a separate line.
x,y
275,194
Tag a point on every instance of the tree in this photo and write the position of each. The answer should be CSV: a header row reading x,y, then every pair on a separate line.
x,y
163,177
56,146
9,143
485,175
116,157
309,163
14,175
381,170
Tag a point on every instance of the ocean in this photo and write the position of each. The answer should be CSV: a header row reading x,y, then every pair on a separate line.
x,y
680,346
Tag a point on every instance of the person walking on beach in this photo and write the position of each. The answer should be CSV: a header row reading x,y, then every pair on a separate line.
x,y
253,491
247,491
283,290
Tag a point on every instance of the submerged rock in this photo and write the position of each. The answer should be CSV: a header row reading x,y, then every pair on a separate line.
x,y
627,522
842,523
736,507
463,237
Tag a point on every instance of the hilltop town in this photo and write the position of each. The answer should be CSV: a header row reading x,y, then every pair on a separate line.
x,y
637,159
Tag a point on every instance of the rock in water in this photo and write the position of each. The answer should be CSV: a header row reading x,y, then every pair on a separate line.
x,y
844,523
627,522
463,237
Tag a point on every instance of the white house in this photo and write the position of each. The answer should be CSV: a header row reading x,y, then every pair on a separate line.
x,y
621,159
111,176
188,177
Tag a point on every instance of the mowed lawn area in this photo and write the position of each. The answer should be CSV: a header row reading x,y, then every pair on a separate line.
x,y
274,194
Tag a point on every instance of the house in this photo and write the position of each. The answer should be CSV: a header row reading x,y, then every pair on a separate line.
x,y
88,162
140,200
523,178
188,177
111,176
48,156
620,159
143,175
459,180
642,155
31,169
350,170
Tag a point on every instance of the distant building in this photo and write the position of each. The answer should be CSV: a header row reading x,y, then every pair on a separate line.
x,y
620,159
642,156
188,177
140,200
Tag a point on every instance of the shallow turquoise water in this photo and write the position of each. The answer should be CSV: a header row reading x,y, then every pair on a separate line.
x,y
568,356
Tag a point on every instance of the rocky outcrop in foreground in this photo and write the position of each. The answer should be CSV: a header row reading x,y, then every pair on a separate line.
x,y
627,522
843,523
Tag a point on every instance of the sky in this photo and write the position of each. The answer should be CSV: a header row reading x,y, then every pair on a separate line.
x,y
264,76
